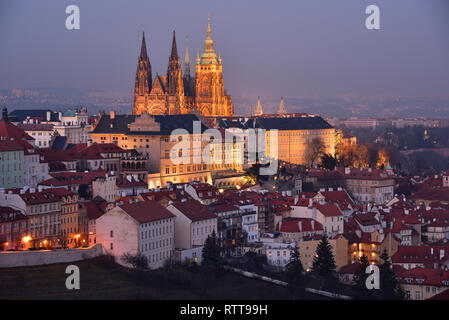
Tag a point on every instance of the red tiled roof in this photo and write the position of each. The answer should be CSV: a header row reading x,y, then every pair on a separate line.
x,y
45,196
73,178
349,268
440,194
224,207
9,145
146,211
424,276
364,174
328,209
93,211
94,151
420,254
291,225
367,219
194,210
9,130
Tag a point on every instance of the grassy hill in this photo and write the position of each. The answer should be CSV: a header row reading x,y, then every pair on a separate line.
x,y
101,278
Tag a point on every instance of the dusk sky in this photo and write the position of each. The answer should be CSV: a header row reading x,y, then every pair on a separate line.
x,y
269,48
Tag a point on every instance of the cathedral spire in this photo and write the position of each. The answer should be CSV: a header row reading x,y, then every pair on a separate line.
x,y
282,109
208,56
143,82
258,111
209,31
143,48
174,50
187,62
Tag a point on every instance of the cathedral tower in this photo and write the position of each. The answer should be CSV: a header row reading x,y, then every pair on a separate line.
x,y
282,110
211,98
175,83
258,111
143,82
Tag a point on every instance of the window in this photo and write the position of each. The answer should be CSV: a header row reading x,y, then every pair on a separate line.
x,y
112,246
112,234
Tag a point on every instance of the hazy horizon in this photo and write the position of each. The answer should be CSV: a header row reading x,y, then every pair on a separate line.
x,y
296,49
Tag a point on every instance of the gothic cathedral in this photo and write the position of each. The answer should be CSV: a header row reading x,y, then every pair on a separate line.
x,y
178,93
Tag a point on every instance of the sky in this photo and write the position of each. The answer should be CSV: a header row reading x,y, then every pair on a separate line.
x,y
270,48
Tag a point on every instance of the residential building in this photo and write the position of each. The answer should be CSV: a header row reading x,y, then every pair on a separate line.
x,y
143,227
194,223
11,165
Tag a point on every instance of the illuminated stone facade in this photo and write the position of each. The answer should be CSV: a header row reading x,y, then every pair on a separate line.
x,y
150,137
176,93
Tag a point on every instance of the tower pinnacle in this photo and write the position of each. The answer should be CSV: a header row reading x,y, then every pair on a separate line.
x,y
187,61
258,111
282,109
143,48
174,50
208,56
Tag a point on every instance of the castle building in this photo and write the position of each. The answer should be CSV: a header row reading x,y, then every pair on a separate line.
x,y
176,93
150,136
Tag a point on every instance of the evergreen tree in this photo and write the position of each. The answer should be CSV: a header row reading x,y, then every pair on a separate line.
x,y
294,268
389,287
361,292
324,262
211,251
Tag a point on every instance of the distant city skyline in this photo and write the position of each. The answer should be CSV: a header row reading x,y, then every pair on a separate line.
x,y
295,49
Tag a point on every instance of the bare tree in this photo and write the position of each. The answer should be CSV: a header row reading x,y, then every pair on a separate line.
x,y
315,148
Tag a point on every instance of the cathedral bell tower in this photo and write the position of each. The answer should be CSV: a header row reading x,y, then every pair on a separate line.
x,y
143,83
175,83
211,98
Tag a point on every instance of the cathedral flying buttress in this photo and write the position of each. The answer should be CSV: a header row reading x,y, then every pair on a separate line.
x,y
178,92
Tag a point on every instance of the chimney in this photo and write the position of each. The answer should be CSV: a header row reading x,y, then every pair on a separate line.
x,y
331,189
112,114
300,226
431,251
310,202
339,189
441,254
313,224
296,199
347,170
40,188
48,115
